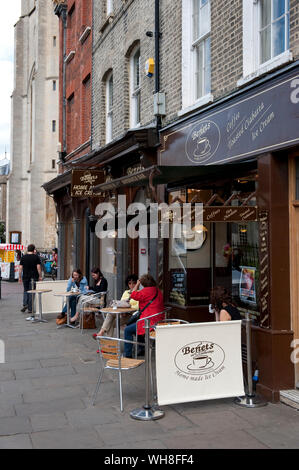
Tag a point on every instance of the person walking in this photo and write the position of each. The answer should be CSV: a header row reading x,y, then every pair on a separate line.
x,y
30,271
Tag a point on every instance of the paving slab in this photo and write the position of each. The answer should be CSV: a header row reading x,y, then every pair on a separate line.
x,y
67,438
48,407
14,425
19,441
48,422
203,440
44,372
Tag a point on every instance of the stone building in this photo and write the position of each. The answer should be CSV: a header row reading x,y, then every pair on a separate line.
x,y
31,214
214,122
75,71
4,170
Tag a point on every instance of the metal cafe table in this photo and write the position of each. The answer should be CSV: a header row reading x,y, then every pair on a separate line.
x,y
39,293
117,312
67,296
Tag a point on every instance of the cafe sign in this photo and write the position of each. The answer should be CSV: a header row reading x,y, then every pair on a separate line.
x,y
198,361
254,122
84,181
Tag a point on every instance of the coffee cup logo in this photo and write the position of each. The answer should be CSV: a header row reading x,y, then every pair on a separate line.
x,y
203,141
199,358
203,147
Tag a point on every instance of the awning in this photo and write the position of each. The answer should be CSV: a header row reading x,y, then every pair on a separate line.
x,y
12,247
170,174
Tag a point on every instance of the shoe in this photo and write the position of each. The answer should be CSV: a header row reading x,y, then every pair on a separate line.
x,y
24,308
61,321
30,318
61,316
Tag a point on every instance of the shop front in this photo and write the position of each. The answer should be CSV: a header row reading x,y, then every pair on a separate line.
x,y
242,152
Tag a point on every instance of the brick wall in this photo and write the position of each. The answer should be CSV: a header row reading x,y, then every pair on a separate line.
x,y
294,28
113,43
226,46
114,38
78,78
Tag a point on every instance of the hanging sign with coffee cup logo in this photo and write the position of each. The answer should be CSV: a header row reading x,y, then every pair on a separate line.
x,y
198,361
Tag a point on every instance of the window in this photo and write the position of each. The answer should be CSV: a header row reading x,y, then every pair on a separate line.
x,y
54,85
109,7
54,41
53,164
201,26
266,31
53,126
196,53
109,108
274,28
135,87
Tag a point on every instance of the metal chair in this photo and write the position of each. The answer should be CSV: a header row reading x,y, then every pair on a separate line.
x,y
101,296
110,350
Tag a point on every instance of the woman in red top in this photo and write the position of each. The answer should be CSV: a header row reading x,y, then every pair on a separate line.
x,y
149,293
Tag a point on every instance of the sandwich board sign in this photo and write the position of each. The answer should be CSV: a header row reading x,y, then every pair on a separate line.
x,y
198,361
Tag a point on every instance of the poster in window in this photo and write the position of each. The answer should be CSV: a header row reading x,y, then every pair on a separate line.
x,y
248,285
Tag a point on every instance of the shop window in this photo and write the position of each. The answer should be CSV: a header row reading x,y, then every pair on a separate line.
x,y
297,179
215,253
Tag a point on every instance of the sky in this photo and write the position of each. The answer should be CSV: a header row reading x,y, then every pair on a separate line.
x,y
7,21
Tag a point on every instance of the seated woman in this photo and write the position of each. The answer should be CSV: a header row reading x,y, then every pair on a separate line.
x,y
76,281
150,300
222,303
100,284
109,323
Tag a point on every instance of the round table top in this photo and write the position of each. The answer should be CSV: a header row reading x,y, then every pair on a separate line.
x,y
39,291
118,310
67,294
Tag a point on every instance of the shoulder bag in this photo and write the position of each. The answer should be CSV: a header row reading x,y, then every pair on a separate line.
x,y
137,314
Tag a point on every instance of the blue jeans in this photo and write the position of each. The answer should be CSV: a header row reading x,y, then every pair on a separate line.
x,y
129,333
27,298
73,305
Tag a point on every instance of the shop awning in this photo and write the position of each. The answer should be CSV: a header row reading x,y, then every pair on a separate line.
x,y
170,174
11,247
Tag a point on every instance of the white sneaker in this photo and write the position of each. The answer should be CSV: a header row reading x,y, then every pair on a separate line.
x,y
30,318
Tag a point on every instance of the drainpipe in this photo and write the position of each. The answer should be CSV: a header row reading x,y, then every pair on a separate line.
x,y
61,11
157,56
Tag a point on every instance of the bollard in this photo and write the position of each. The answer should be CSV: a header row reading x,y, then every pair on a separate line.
x,y
251,400
147,412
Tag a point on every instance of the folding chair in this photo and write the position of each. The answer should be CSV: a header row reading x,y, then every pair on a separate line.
x,y
110,351
94,309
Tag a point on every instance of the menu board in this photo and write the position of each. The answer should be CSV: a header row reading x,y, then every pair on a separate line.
x,y
178,287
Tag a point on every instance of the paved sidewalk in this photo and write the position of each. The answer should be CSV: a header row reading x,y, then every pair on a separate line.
x,y
47,382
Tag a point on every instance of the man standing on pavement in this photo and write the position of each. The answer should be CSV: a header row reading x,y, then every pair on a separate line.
x,y
30,270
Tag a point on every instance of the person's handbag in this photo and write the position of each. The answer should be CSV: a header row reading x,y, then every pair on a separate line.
x,y
89,321
137,314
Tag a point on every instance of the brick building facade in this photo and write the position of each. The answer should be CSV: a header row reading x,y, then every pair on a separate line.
x,y
216,60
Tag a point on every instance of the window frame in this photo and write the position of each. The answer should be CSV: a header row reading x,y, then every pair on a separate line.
x,y
190,100
108,109
252,68
135,92
286,16
109,8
